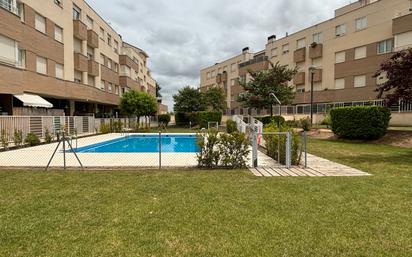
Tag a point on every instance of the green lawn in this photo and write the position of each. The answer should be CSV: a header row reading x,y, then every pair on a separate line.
x,y
213,213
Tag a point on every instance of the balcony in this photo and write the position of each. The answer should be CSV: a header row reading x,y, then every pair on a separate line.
x,y
79,30
299,55
93,68
315,51
126,60
126,81
259,59
317,76
80,62
299,78
92,39
402,24
220,78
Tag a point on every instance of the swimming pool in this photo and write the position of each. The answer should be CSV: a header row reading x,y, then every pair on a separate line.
x,y
144,144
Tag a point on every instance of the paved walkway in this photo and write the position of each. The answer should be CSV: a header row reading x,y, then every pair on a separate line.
x,y
317,167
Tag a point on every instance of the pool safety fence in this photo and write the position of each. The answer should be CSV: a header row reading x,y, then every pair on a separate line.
x,y
104,151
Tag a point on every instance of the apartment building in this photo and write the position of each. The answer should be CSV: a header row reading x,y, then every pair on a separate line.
x,y
343,53
59,57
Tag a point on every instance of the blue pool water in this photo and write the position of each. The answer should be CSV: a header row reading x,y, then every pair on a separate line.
x,y
145,144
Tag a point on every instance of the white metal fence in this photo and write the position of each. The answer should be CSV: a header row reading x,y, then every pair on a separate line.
x,y
79,125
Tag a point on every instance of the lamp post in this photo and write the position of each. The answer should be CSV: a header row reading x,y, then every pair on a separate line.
x,y
312,70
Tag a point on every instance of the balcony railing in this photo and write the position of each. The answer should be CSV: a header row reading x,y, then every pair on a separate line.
x,y
10,6
262,58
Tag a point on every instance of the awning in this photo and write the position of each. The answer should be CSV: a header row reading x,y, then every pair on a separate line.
x,y
33,101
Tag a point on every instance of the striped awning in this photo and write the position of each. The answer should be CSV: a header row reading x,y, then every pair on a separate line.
x,y
33,101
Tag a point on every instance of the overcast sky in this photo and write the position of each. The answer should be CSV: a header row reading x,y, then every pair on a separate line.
x,y
183,36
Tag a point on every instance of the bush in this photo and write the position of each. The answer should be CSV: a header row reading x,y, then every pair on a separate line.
x,y
306,124
276,145
4,138
223,150
269,119
116,126
327,121
163,119
18,138
360,122
205,117
186,118
231,126
105,128
292,123
48,137
32,139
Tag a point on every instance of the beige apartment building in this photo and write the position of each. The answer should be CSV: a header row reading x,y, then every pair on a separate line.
x,y
62,58
345,52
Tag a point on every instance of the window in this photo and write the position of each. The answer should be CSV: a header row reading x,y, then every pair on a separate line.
x,y
40,23
78,76
7,50
382,78
403,40
301,43
101,33
59,71
340,83
90,53
41,65
21,58
77,45
117,90
340,30
274,52
340,57
208,75
385,46
109,40
102,86
300,89
91,81
89,22
116,46
359,81
58,33
102,62
232,82
125,71
116,67
77,12
213,73
360,52
109,87
109,64
285,49
233,67
317,38
361,23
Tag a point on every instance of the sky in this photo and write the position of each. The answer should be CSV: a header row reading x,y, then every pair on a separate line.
x,y
183,36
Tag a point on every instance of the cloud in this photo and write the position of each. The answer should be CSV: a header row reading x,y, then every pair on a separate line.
x,y
184,36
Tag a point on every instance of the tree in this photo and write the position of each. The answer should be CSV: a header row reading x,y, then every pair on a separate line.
x,y
397,70
215,99
263,83
158,89
189,100
139,104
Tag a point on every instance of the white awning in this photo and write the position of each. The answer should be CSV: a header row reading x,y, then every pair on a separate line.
x,y
33,101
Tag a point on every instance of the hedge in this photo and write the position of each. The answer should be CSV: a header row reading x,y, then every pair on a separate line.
x,y
198,118
163,119
269,119
205,117
360,122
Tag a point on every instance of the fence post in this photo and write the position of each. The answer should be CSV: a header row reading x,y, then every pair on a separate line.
x,y
288,150
399,108
254,150
305,140
160,150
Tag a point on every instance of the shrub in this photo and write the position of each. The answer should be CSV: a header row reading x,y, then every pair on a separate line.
x,y
4,138
292,123
226,150
18,138
327,121
48,137
269,119
276,145
205,117
306,124
186,118
360,122
116,126
231,126
32,139
233,150
163,119
105,128
208,156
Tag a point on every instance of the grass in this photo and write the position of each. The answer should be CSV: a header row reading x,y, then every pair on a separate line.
x,y
213,213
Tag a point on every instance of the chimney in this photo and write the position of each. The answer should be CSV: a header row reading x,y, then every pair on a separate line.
x,y
271,39
245,50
